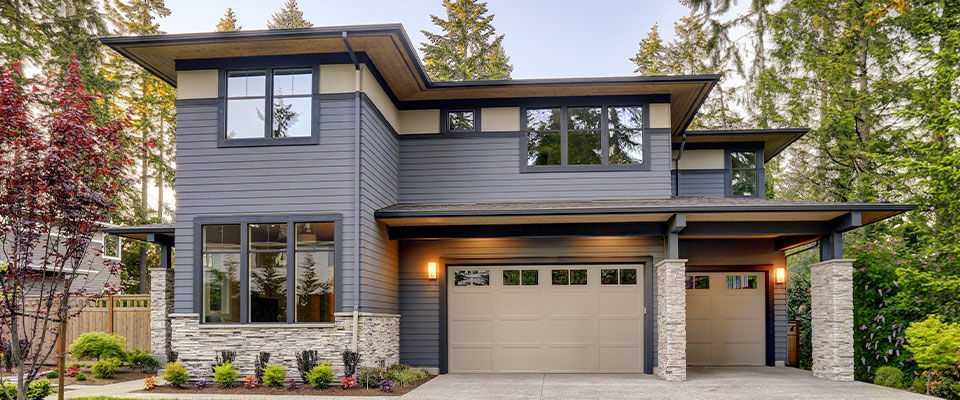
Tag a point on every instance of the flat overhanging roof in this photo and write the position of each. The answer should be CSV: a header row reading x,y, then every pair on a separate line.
x,y
394,59
154,233
774,140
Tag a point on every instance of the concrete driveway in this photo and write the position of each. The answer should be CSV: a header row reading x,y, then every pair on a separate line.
x,y
703,383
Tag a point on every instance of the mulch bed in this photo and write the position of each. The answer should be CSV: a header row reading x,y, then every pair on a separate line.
x,y
302,390
91,381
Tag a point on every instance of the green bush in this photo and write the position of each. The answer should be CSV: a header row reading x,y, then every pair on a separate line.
x,y
98,345
274,375
104,369
407,376
225,375
888,376
175,374
143,361
320,376
39,389
81,377
934,343
919,385
53,374
9,391
370,377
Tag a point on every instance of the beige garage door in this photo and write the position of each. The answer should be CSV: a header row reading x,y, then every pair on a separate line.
x,y
725,318
559,318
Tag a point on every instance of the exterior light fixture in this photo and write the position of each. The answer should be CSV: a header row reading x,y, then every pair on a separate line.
x,y
781,276
432,270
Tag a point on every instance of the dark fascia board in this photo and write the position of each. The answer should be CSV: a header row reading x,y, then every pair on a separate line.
x,y
890,207
155,229
794,134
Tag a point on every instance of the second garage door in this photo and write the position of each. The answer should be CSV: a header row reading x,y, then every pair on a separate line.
x,y
556,318
725,318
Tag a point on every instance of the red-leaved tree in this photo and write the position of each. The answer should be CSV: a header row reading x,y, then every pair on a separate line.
x,y
61,174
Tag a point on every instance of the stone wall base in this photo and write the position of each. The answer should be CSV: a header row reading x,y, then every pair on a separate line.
x,y
198,344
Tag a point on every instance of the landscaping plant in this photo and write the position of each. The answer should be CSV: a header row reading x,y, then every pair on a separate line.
x,y
306,362
172,356
151,383
250,382
225,375
274,375
53,374
143,361
225,357
175,374
259,364
72,372
202,383
104,369
39,389
292,384
98,345
9,391
888,376
320,376
81,377
350,362
348,382
386,385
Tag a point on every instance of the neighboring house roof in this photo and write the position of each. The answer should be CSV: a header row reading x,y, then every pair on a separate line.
x,y
774,140
396,64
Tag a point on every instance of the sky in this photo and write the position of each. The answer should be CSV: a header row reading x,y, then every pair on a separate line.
x,y
540,36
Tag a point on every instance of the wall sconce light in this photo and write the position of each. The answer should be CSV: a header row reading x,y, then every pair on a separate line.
x,y
432,270
781,276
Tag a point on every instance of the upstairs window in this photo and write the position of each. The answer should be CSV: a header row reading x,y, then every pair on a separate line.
x,y
460,120
744,174
269,106
584,137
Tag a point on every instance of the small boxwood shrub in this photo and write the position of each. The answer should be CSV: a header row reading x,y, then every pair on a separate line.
x,y
104,369
81,377
176,374
320,376
888,376
274,375
98,345
225,375
9,391
143,361
53,374
39,389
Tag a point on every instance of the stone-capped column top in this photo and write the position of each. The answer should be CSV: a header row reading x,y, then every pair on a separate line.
x,y
671,261
834,261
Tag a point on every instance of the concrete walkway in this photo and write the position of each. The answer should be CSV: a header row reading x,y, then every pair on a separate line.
x,y
704,383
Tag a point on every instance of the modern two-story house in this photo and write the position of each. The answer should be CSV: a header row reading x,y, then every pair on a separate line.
x,y
330,196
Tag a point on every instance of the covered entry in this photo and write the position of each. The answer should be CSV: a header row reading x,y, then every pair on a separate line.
x,y
545,318
726,318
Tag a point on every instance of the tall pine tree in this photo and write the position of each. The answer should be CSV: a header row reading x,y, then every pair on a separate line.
x,y
228,22
469,48
289,17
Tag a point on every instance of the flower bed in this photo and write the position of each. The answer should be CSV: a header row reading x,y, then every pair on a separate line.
x,y
299,390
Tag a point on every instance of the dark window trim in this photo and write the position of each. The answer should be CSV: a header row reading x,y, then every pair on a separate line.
x,y
604,139
445,122
244,221
760,179
268,66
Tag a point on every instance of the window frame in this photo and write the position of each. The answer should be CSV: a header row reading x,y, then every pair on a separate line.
x,y
445,121
605,130
758,168
268,139
244,273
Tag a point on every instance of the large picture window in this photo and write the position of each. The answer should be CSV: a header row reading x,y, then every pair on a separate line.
x,y
584,137
268,272
269,105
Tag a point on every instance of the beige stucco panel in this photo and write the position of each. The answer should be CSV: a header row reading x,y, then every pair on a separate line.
x,y
701,159
199,84
418,121
379,97
660,115
341,78
337,78
500,119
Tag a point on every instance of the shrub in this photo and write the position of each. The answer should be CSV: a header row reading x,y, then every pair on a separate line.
x,y
104,369
39,389
407,376
226,356
348,382
143,361
370,377
151,382
97,345
175,374
260,364
888,376
72,372
225,375
919,385
306,361
172,356
292,384
250,382
934,344
81,377
320,376
274,375
386,385
202,384
53,374
350,362
9,391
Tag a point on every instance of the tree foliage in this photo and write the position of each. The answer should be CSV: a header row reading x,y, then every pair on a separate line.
x,y
468,48
289,17
228,22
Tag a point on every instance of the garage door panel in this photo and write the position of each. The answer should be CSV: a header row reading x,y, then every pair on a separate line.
x,y
471,304
740,354
619,359
471,359
568,330
699,306
699,353
570,303
699,329
471,332
519,331
568,359
518,303
517,359
626,330
742,329
726,323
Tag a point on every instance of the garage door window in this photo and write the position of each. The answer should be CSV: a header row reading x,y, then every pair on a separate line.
x,y
569,277
736,282
515,277
626,276
698,282
475,277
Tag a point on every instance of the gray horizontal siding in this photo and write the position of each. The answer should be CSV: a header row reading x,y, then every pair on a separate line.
x,y
420,298
701,183
487,169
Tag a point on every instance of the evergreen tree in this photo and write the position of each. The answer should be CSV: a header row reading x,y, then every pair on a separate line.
x,y
289,17
469,48
228,22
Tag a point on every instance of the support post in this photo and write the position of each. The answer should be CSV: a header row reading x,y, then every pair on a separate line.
x,y
110,307
831,300
671,320
161,306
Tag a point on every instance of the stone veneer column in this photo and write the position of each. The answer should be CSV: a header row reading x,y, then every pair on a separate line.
x,y
671,320
831,298
161,306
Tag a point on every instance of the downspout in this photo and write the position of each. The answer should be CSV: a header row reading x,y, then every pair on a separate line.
x,y
676,161
355,343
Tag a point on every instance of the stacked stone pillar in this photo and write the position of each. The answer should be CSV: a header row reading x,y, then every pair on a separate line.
x,y
671,320
831,296
161,306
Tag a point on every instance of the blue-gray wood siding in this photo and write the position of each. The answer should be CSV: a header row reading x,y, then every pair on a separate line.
x,y
272,180
487,169
700,183
420,297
